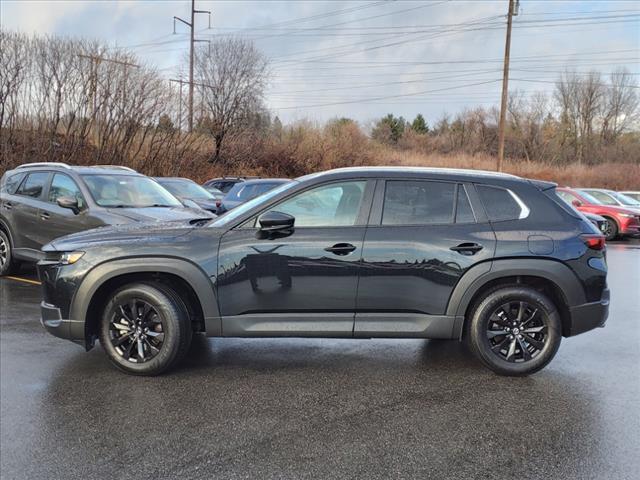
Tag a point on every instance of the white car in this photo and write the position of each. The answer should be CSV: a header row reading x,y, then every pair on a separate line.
x,y
632,194
609,197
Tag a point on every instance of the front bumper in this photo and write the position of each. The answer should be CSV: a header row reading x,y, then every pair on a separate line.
x,y
588,316
52,321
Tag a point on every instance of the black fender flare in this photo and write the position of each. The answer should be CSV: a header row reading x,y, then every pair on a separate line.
x,y
479,275
186,270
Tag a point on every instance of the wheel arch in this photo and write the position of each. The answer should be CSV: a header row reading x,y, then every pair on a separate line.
x,y
552,277
190,283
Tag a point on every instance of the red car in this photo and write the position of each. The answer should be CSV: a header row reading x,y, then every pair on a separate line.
x,y
620,221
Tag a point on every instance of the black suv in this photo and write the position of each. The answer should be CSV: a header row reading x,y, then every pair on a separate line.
x,y
493,259
43,201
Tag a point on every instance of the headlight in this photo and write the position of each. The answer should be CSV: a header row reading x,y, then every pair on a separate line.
x,y
68,258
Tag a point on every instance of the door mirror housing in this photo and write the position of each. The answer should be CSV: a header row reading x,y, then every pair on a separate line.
x,y
576,203
276,222
70,203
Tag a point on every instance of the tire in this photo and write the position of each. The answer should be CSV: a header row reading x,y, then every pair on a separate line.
x,y
498,322
8,264
611,229
153,339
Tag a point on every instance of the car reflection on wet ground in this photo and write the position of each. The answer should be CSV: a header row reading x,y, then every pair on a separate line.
x,y
314,408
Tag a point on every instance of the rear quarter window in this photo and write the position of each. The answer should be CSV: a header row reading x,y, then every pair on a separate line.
x,y
10,183
501,204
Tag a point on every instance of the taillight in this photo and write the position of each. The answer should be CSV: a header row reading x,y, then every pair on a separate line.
x,y
594,242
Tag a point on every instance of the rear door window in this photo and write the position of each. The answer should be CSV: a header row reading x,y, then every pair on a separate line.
x,y
408,202
501,204
33,185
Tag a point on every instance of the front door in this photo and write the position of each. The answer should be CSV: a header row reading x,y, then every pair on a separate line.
x,y
58,221
298,284
424,235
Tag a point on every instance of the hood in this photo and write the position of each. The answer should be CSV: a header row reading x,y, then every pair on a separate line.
x,y
617,209
149,214
130,234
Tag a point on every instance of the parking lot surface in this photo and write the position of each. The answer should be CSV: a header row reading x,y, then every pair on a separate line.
x,y
303,408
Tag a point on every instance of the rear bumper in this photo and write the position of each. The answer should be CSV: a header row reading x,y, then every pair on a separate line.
x,y
588,316
52,321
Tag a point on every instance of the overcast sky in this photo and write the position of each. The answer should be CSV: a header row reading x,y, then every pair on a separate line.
x,y
363,59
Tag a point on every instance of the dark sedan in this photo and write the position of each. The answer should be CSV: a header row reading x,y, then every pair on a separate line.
x,y
244,191
188,190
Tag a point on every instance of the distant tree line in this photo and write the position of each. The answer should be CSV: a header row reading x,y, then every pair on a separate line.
x,y
588,119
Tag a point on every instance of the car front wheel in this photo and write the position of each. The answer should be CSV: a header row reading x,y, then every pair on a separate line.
x,y
145,329
8,264
515,330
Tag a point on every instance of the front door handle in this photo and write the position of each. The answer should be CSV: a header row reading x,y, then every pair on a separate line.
x,y
8,205
44,215
341,249
467,248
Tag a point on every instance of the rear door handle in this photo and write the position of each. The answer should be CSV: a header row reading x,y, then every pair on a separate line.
x,y
467,248
44,215
341,249
8,205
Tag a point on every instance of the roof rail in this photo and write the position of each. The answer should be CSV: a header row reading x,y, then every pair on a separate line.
x,y
44,164
121,167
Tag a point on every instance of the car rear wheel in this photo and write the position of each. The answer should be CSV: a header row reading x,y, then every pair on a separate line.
x,y
145,329
610,229
515,330
8,264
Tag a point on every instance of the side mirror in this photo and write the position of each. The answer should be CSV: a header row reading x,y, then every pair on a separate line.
x,y
576,203
276,222
70,203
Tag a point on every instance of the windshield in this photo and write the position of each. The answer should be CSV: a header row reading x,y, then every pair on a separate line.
x,y
186,188
128,191
245,207
625,200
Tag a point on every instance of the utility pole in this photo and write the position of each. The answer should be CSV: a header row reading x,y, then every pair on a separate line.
x,y
95,62
191,25
513,6
180,82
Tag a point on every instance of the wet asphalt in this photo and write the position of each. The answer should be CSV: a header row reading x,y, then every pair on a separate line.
x,y
302,408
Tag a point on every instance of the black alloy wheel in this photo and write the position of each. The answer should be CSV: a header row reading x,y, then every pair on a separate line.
x,y
610,229
514,329
145,328
136,331
517,331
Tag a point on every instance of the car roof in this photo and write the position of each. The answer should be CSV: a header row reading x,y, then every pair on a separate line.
x,y
82,170
605,190
171,179
444,173
266,180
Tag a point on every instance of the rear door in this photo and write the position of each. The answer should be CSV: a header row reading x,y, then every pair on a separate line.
x,y
422,237
29,199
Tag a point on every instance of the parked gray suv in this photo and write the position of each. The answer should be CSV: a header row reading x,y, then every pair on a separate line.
x,y
40,202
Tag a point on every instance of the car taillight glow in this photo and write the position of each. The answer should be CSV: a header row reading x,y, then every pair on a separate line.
x,y
594,242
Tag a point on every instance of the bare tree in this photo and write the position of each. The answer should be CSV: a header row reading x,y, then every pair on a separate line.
x,y
232,75
620,105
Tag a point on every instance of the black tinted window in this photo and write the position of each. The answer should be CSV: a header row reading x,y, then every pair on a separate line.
x,y
33,184
464,213
500,204
11,183
417,203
